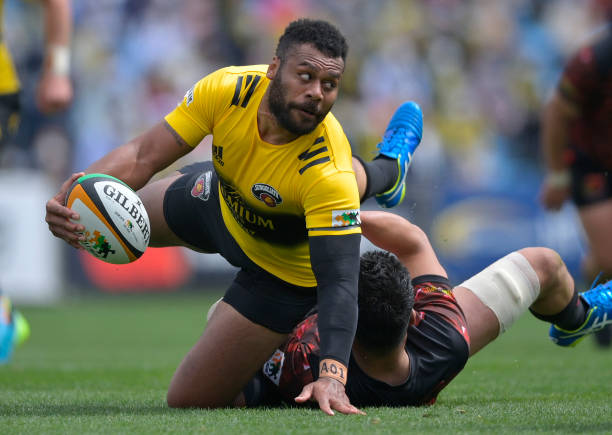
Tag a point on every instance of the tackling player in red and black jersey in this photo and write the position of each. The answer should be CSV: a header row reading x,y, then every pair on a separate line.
x,y
415,335
577,146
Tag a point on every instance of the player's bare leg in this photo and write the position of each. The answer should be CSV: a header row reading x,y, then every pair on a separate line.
x,y
224,359
152,196
556,283
556,289
482,323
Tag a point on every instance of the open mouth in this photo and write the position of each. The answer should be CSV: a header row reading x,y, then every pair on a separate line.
x,y
307,113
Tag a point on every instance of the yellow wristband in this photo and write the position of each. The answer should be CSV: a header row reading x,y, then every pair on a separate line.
x,y
330,368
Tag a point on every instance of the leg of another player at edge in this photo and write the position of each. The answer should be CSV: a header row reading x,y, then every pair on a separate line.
x,y
555,302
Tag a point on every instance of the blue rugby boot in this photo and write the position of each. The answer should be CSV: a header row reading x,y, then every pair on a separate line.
x,y
598,316
14,329
402,136
7,329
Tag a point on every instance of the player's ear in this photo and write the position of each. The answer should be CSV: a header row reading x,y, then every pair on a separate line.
x,y
273,68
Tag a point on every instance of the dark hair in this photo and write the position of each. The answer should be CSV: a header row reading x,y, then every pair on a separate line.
x,y
386,297
323,35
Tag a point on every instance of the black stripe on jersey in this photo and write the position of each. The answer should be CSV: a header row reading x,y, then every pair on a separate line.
x,y
335,229
251,89
236,98
314,162
309,154
318,140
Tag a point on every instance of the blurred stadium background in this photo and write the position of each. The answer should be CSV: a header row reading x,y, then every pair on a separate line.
x,y
480,70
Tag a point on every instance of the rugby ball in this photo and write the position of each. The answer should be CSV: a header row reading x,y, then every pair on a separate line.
x,y
117,228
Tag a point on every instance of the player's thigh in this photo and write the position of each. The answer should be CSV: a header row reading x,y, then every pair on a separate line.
x,y
597,222
482,323
224,359
152,196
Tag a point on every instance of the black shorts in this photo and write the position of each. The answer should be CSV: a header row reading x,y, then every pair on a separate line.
x,y
591,183
9,117
192,212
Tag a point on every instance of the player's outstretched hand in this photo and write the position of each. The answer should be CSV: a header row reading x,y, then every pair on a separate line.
x,y
58,216
330,395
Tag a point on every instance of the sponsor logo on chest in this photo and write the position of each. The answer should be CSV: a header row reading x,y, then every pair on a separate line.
x,y
266,194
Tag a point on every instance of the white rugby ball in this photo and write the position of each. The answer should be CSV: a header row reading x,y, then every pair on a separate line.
x,y
117,228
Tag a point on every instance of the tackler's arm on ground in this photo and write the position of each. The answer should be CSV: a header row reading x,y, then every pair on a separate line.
x,y
406,241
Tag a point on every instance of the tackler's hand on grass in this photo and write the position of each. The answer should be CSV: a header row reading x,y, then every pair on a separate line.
x,y
329,394
58,215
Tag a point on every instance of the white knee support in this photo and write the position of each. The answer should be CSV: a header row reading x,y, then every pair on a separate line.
x,y
508,287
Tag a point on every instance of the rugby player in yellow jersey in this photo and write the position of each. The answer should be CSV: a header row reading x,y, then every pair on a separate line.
x,y
281,202
54,93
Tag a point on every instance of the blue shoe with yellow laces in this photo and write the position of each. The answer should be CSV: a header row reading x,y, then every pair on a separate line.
x,y
14,329
401,138
598,316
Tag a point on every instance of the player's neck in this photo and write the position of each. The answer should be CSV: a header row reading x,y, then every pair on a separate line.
x,y
392,368
269,128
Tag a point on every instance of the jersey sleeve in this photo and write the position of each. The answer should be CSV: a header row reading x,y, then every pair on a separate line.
x,y
194,117
331,207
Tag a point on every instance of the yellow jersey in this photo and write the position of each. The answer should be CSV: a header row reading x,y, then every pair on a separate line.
x,y
274,196
9,83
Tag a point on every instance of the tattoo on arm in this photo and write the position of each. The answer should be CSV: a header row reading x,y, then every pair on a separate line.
x,y
179,140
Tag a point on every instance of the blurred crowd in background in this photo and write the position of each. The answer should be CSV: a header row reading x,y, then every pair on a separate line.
x,y
480,69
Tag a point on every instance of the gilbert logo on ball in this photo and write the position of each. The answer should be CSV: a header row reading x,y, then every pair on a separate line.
x,y
116,223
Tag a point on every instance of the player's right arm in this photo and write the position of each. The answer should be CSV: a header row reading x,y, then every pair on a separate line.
x,y
134,163
138,160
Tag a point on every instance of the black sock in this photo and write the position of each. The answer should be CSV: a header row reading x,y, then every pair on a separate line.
x,y
382,173
570,317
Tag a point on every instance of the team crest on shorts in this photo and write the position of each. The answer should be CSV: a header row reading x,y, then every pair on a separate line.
x,y
267,194
345,218
201,188
274,366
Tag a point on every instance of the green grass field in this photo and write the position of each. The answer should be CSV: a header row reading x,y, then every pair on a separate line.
x,y
103,365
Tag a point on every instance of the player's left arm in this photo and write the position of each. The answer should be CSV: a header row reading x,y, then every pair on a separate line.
x,y
331,208
55,88
406,241
335,263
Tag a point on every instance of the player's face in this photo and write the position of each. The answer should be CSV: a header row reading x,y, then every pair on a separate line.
x,y
304,88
